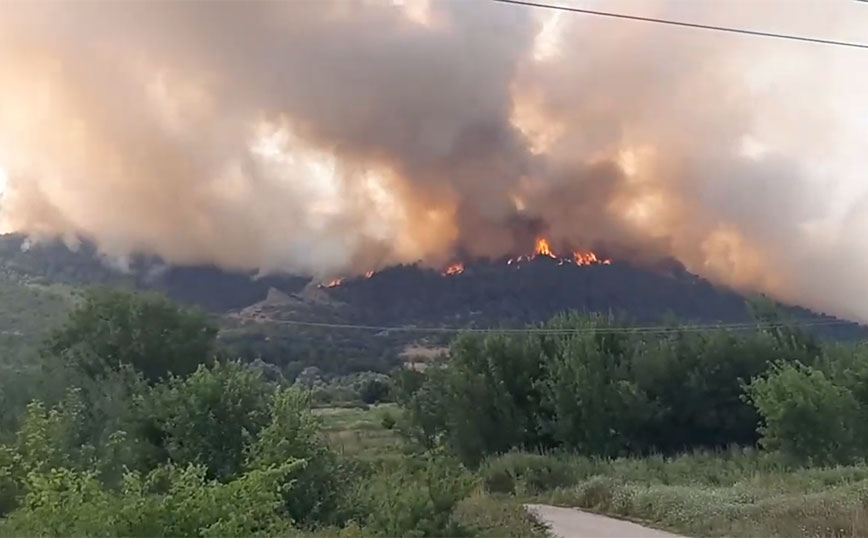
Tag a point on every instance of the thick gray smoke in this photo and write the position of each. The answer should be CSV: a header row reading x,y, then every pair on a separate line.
x,y
337,137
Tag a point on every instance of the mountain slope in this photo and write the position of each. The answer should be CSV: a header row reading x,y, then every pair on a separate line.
x,y
260,315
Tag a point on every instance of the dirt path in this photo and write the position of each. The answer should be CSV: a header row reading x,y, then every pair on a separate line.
x,y
572,523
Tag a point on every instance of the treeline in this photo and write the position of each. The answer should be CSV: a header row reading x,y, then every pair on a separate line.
x,y
602,389
134,424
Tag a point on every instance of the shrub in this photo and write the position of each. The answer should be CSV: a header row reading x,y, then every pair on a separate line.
x,y
524,473
806,416
388,421
416,499
168,501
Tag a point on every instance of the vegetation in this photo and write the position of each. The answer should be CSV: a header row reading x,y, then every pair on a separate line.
x,y
712,433
129,419
142,443
112,328
726,493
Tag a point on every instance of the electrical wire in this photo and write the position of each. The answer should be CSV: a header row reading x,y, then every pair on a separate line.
x,y
683,24
654,329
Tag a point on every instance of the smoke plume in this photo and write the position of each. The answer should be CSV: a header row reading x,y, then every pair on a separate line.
x,y
333,137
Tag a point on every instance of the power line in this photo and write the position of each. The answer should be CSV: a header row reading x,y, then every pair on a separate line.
x,y
653,329
682,24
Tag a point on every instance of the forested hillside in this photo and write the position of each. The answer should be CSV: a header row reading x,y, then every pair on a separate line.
x,y
257,315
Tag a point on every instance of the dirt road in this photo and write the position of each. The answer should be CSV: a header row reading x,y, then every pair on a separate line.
x,y
572,523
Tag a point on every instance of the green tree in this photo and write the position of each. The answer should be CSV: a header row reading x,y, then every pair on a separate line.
x,y
320,486
209,417
806,416
111,328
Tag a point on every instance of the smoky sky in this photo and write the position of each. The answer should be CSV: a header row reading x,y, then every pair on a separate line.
x,y
331,138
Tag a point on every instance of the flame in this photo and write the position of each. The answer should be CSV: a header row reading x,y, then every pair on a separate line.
x,y
369,274
454,269
543,248
333,283
589,258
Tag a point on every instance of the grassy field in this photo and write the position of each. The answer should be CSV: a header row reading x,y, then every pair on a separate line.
x,y
360,433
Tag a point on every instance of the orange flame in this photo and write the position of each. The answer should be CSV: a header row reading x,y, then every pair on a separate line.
x,y
369,274
589,258
335,282
543,248
454,269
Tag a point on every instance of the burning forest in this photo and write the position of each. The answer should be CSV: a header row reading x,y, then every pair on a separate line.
x,y
542,250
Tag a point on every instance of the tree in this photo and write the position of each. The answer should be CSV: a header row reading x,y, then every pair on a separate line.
x,y
806,416
209,417
111,328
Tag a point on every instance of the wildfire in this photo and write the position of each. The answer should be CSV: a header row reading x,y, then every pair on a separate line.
x,y
543,248
589,258
579,258
454,269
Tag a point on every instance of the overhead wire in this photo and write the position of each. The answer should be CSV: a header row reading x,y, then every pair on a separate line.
x,y
684,24
653,329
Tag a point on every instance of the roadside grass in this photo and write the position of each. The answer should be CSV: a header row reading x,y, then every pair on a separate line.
x,y
499,516
729,493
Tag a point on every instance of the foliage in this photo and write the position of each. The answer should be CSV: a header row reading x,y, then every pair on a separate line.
x,y
416,499
317,495
111,328
365,388
806,416
168,501
209,417
734,493
594,386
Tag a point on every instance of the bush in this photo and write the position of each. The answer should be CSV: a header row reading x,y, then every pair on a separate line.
x,y
416,499
169,501
524,473
388,421
806,416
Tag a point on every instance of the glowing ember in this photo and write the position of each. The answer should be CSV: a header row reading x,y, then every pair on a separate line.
x,y
454,269
369,274
543,248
